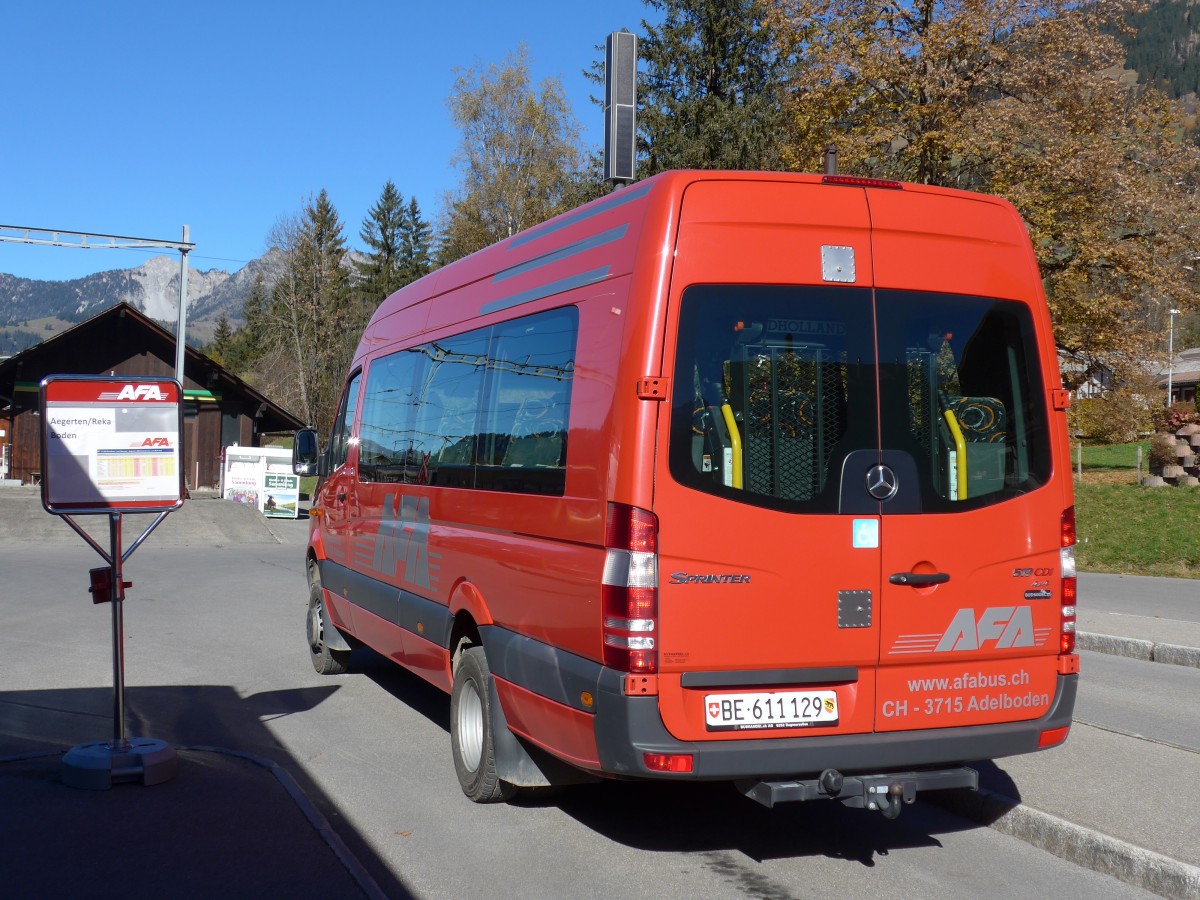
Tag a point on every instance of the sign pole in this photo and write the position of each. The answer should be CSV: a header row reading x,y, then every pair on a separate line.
x,y
116,595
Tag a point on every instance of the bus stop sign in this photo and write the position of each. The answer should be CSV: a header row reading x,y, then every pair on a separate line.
x,y
111,444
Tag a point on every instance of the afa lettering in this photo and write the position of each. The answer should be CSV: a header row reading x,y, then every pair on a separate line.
x,y
404,537
1008,626
140,392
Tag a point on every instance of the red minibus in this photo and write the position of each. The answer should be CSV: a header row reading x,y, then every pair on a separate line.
x,y
736,476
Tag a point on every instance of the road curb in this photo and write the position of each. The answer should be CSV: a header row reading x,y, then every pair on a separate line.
x,y
1135,648
1076,844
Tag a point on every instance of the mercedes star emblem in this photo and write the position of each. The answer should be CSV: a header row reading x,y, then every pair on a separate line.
x,y
881,483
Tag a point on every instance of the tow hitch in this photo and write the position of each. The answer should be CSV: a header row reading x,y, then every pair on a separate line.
x,y
885,792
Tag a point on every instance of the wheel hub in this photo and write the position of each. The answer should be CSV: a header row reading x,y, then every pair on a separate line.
x,y
470,727
316,633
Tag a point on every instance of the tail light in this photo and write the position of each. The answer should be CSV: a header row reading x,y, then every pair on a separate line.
x,y
630,590
1069,584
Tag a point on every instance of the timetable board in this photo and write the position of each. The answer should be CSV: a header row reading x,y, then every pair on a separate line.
x,y
111,444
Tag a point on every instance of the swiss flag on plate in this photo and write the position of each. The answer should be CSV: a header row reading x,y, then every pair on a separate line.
x,y
714,710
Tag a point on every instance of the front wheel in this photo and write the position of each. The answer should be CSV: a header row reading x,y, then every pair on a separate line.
x,y
471,731
325,660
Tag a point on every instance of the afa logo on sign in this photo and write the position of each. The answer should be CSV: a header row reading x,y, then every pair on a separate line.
x,y
135,392
141,392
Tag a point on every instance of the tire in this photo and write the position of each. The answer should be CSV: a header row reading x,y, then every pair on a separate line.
x,y
471,731
324,660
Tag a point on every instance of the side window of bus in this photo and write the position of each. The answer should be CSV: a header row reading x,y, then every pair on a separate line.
x,y
387,451
444,432
523,442
339,442
487,409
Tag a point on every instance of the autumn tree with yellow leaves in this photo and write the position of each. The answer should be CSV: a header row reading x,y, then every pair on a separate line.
x,y
1024,99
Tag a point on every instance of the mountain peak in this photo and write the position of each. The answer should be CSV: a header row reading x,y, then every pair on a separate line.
x,y
34,310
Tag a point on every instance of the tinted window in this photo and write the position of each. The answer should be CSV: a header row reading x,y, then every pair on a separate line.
x,y
775,387
387,450
772,387
445,430
486,409
962,392
339,443
523,444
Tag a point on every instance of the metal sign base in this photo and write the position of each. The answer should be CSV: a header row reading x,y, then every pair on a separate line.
x,y
99,765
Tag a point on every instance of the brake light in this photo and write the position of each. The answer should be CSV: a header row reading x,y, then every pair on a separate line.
x,y
854,181
630,590
1066,642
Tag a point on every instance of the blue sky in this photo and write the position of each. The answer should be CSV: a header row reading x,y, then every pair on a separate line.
x,y
135,118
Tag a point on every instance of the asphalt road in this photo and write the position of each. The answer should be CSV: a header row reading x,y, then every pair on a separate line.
x,y
1144,699
215,656
1171,599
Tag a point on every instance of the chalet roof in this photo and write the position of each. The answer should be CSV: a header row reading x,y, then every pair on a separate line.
x,y
95,345
1186,368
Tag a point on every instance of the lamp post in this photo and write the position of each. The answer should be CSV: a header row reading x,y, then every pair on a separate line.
x,y
1171,314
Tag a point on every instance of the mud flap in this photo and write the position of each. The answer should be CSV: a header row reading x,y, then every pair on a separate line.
x,y
521,764
331,634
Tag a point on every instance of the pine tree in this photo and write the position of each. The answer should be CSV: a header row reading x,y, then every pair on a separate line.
x,y
218,347
383,232
709,87
416,245
245,346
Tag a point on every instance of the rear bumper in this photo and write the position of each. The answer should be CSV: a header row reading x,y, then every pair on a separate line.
x,y
629,727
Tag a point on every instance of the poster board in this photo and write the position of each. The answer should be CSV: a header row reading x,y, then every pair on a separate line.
x,y
242,476
111,444
261,477
281,496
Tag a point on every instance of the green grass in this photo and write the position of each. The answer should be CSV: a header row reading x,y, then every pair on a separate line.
x,y
1113,456
1132,530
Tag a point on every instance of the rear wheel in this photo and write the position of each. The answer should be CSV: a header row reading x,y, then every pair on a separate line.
x,y
471,730
324,660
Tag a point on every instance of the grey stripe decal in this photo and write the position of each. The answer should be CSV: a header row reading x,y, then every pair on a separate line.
x,y
546,290
547,671
536,666
389,602
619,199
589,243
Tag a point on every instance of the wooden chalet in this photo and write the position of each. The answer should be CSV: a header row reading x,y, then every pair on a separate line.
x,y
219,408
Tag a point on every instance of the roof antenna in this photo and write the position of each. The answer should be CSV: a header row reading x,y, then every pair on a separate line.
x,y
829,161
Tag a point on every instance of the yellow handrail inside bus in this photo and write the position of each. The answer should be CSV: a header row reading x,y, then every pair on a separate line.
x,y
960,445
735,439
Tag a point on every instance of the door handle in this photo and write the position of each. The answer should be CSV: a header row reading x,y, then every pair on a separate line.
x,y
919,579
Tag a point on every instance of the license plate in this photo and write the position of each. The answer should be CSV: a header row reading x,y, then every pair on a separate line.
x,y
770,709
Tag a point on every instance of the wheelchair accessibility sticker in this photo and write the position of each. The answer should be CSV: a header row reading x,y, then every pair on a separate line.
x,y
866,533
